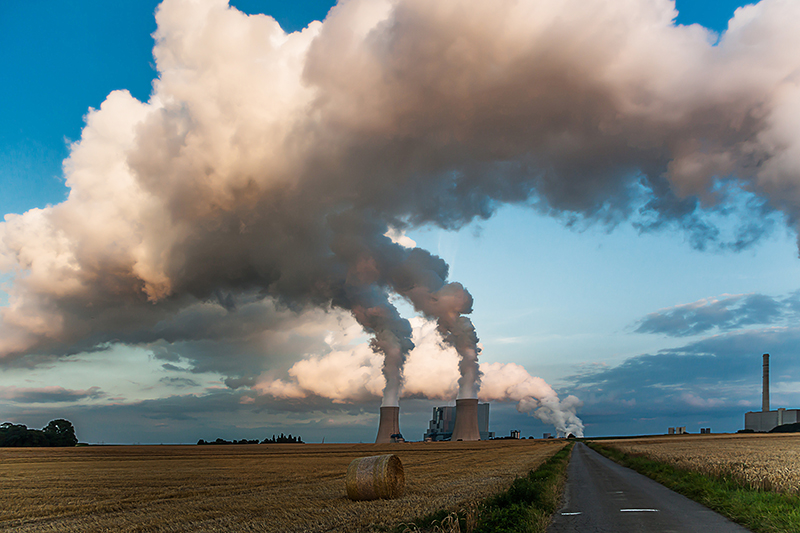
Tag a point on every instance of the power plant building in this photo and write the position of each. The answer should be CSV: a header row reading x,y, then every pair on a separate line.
x,y
443,422
766,420
769,420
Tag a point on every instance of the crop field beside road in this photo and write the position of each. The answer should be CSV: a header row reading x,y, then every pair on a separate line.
x,y
244,487
763,461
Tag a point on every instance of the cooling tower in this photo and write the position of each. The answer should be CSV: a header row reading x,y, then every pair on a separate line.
x,y
390,424
466,425
765,386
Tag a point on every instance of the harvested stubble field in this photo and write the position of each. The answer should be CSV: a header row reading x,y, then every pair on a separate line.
x,y
272,487
763,461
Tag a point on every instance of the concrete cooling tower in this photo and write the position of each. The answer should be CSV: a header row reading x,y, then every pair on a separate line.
x,y
466,425
389,425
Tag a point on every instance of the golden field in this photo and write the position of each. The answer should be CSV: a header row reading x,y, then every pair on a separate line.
x,y
274,487
768,461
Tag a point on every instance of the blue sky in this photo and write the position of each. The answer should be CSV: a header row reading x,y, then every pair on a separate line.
x,y
647,329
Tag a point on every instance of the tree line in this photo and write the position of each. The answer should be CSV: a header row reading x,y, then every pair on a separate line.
x,y
58,432
282,439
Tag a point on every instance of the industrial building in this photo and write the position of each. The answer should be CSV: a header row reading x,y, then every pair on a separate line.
x,y
766,420
443,423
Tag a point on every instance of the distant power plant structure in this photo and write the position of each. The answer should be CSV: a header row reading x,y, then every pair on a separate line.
x,y
468,420
681,430
766,420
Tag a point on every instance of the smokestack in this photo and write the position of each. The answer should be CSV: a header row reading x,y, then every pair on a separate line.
x,y
390,424
466,425
765,385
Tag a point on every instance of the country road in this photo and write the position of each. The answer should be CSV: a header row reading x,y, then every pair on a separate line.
x,y
602,496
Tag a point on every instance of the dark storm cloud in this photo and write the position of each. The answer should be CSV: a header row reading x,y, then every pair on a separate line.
x,y
216,413
718,376
724,313
49,394
239,355
665,212
179,382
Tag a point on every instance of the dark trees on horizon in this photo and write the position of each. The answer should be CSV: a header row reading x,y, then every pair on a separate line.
x,y
283,439
58,432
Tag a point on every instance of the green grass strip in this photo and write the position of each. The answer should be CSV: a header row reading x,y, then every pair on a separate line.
x,y
759,510
526,507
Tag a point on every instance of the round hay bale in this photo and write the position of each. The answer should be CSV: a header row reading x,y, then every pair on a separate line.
x,y
377,476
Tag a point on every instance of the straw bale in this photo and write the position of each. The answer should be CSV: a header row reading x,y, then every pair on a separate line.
x,y
375,477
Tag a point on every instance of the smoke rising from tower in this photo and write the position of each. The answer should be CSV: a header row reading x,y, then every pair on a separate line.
x,y
274,164
431,370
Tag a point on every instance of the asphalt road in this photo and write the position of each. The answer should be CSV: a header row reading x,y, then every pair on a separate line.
x,y
602,496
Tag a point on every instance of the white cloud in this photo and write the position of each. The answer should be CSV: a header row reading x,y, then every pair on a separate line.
x,y
399,237
353,374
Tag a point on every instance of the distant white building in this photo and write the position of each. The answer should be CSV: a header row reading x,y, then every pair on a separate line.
x,y
444,418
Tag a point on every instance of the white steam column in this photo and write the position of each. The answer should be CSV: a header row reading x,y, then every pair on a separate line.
x,y
765,385
389,425
466,424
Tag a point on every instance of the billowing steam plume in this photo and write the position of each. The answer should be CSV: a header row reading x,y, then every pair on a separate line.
x,y
503,382
352,373
274,164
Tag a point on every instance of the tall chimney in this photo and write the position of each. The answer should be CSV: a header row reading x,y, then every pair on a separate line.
x,y
466,424
389,425
765,385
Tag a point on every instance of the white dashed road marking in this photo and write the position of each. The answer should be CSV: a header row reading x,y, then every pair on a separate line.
x,y
602,496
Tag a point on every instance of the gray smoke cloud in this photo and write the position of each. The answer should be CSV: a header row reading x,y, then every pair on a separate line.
x,y
274,164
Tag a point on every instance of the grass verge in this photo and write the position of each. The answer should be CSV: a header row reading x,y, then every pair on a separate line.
x,y
759,510
526,507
